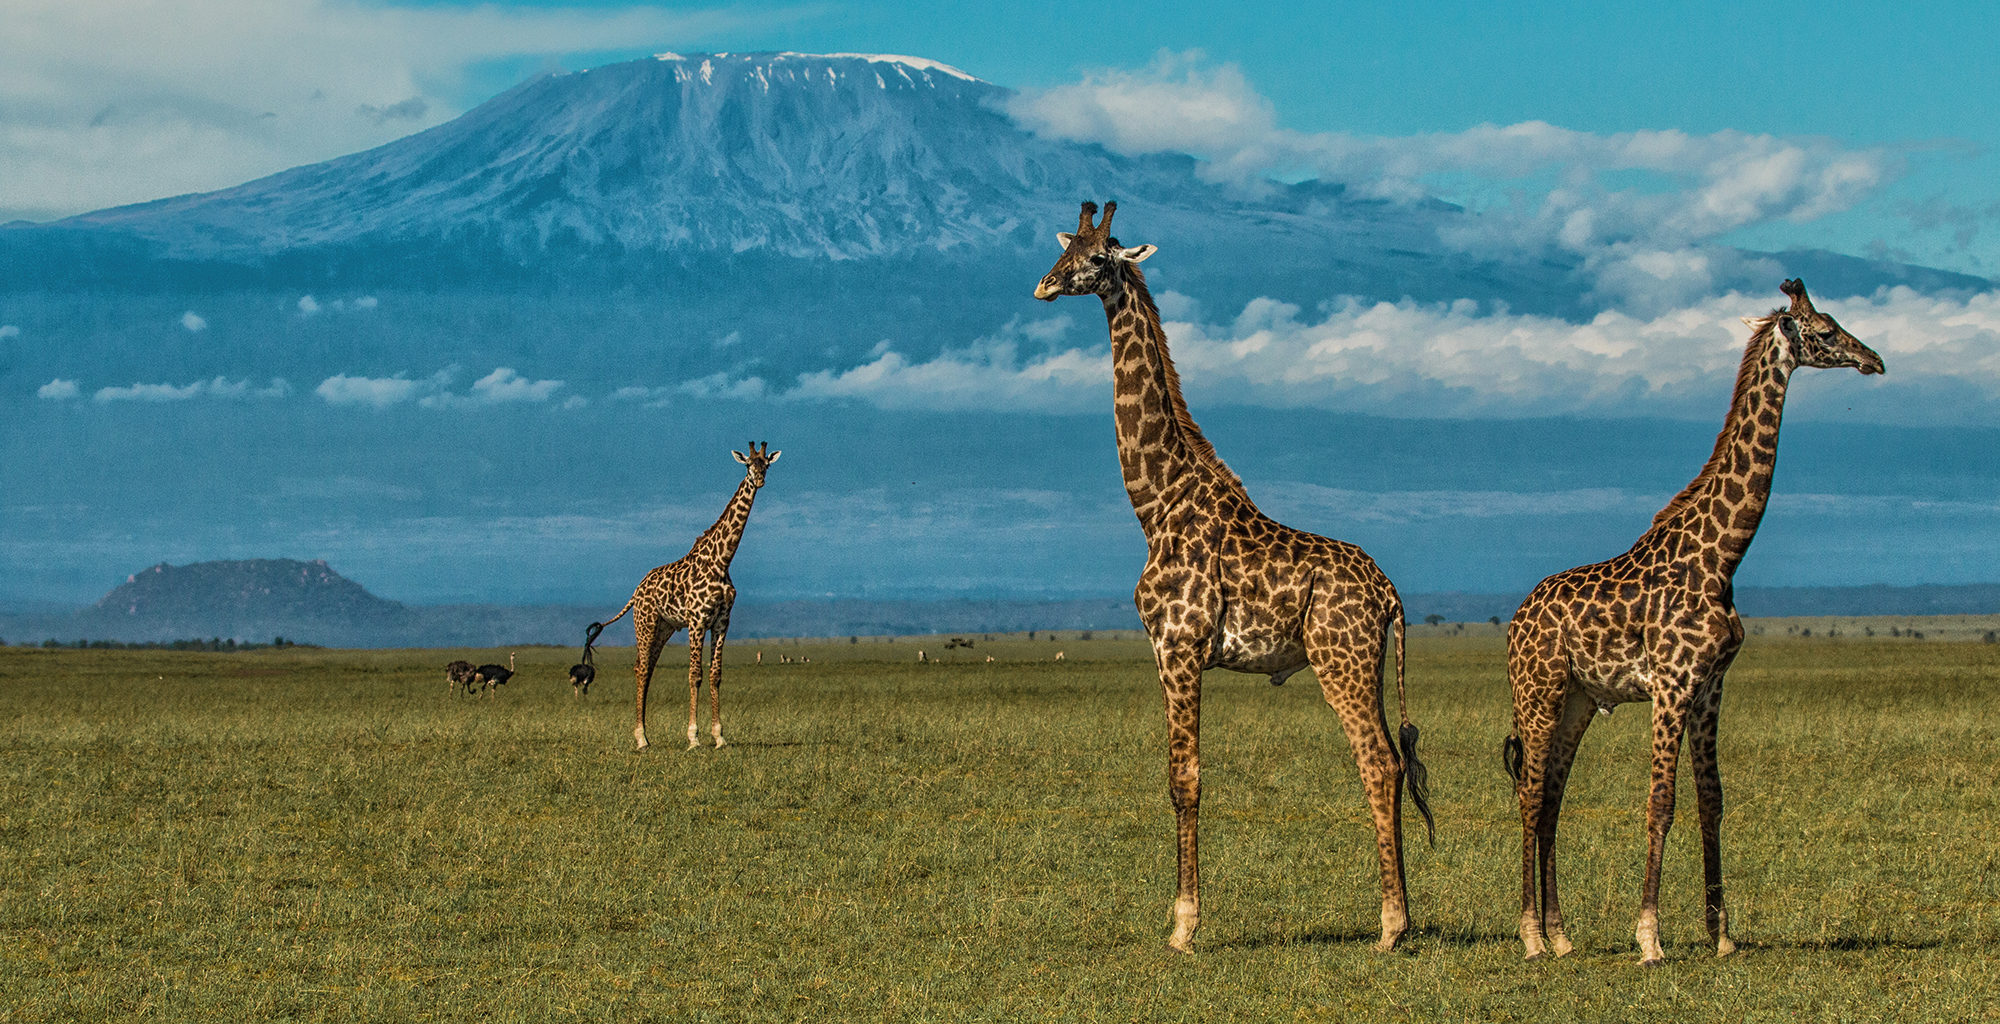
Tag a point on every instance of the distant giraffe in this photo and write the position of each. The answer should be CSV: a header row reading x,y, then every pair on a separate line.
x,y
1657,623
695,594
1226,587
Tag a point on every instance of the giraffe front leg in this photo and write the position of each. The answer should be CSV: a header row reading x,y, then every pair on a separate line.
x,y
695,635
1180,678
1708,792
715,685
1668,721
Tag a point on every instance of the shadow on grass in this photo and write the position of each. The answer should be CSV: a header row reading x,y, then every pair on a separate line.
x,y
1428,937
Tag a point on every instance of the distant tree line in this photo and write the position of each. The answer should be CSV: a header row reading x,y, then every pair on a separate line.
x,y
195,644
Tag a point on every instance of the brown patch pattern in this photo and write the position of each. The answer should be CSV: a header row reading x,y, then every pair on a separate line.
x,y
1226,587
1657,623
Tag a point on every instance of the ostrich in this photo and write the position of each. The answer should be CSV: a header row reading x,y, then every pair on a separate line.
x,y
458,677
490,676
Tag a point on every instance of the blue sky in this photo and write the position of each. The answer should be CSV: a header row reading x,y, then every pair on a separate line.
x,y
1642,140
212,92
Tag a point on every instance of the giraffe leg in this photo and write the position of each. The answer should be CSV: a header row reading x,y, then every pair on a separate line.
x,y
1668,721
1538,688
715,685
1708,791
1180,678
650,639
1350,677
696,634
1577,712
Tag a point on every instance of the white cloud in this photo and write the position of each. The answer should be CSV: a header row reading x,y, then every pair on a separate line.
x,y
1535,185
308,305
111,102
58,390
9,331
1462,360
341,389
194,322
220,387
503,385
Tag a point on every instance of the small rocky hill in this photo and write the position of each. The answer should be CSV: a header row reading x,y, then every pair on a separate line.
x,y
253,599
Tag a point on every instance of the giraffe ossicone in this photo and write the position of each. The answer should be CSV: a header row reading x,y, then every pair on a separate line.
x,y
1658,623
695,594
1227,587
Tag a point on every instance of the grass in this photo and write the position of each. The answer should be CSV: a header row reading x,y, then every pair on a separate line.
x,y
327,835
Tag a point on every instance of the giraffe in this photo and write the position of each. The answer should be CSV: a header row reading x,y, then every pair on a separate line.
x,y
695,594
1657,623
1226,587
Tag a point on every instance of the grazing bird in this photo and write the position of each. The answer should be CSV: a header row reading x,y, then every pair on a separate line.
x,y
695,594
1225,586
488,677
1658,623
458,677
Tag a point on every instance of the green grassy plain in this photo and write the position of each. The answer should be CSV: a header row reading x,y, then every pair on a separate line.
x,y
328,835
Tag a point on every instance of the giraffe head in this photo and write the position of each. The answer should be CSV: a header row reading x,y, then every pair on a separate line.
x,y
758,461
1092,263
1812,338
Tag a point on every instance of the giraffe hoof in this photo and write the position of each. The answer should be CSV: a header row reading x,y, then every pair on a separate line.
x,y
1183,950
720,743
1656,962
1532,957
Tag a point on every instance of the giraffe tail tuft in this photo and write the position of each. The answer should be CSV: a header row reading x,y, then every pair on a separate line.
x,y
1511,755
1419,779
1414,771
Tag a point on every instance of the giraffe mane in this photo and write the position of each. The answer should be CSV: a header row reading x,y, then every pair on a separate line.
x,y
1189,433
1746,378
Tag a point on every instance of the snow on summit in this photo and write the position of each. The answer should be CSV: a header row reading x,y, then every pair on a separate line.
x,y
920,64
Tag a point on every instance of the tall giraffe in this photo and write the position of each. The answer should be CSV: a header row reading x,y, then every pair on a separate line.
x,y
1657,623
1226,587
695,594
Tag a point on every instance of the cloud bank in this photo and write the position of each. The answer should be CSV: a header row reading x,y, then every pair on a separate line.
x,y
1457,360
1639,206
502,386
220,387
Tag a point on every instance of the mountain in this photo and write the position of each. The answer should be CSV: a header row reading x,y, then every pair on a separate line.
x,y
253,599
682,173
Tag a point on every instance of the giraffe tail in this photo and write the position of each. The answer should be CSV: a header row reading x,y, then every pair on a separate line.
x,y
1511,754
1406,738
598,627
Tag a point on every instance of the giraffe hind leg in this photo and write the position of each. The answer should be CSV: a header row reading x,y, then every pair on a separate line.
x,y
650,640
1535,724
696,634
1708,791
1576,716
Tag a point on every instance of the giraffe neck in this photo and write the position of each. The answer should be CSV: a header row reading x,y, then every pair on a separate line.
x,y
1720,509
1160,449
718,544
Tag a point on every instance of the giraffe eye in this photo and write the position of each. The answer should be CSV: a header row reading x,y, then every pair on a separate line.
x,y
1097,259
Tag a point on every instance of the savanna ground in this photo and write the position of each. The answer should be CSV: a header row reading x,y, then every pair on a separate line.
x,y
330,835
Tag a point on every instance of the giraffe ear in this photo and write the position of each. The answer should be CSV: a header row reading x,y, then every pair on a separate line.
x,y
1138,253
740,457
1063,238
1790,327
774,457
